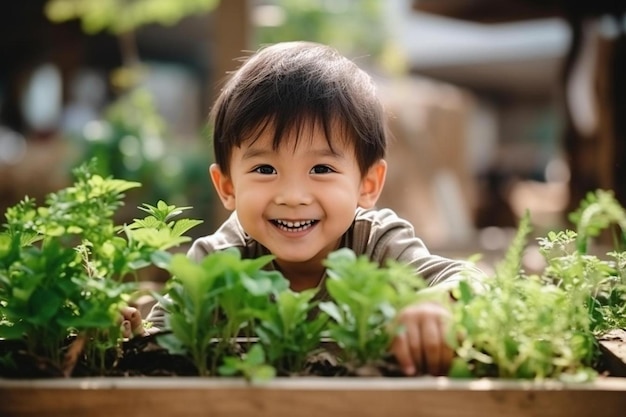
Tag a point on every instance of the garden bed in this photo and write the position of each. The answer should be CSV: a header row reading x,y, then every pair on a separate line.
x,y
282,397
613,349
309,396
525,344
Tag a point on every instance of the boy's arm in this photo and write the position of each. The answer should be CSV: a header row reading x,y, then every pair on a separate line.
x,y
157,317
391,237
421,347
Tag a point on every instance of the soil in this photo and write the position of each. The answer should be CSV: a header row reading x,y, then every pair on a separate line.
x,y
143,356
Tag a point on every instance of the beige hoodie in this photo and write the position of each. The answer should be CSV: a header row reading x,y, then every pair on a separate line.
x,y
379,234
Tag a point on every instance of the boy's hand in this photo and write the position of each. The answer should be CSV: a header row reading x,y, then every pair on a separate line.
x,y
421,347
132,323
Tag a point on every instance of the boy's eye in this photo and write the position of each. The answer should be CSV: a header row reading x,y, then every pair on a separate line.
x,y
265,170
321,169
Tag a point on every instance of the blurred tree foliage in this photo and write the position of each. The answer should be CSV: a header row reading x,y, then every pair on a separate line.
x,y
132,140
119,16
355,27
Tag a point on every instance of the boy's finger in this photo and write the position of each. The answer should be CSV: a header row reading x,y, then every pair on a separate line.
x,y
133,316
447,352
400,349
137,328
415,341
433,346
129,312
126,329
438,353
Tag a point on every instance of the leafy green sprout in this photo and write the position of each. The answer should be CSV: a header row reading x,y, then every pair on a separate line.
x,y
212,302
546,325
47,276
291,329
517,326
252,366
597,212
365,301
64,266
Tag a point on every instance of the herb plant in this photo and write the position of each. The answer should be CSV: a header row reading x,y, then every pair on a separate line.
x,y
252,366
291,329
366,298
519,327
604,278
545,325
212,302
65,267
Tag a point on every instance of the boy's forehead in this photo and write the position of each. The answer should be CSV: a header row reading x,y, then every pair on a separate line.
x,y
307,134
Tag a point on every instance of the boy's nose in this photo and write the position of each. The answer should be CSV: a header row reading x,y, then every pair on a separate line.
x,y
293,193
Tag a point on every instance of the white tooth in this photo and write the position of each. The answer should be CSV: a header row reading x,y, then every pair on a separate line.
x,y
300,224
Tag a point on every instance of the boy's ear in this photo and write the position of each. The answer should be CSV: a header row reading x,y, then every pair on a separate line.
x,y
372,184
224,187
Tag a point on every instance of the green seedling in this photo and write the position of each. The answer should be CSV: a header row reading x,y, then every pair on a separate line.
x,y
519,327
66,268
251,366
212,302
546,325
366,299
290,330
597,212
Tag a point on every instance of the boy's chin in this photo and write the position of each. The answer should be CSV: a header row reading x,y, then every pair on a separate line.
x,y
295,256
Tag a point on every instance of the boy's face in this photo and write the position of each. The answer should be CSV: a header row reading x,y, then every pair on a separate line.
x,y
297,202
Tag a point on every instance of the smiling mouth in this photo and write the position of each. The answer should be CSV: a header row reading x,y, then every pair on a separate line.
x,y
294,226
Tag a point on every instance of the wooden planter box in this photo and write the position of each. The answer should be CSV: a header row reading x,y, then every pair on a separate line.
x,y
345,397
322,396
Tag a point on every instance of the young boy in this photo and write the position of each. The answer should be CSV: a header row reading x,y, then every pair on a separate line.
x,y
299,143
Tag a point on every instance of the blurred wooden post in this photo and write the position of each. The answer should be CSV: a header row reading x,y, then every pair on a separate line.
x,y
231,40
598,156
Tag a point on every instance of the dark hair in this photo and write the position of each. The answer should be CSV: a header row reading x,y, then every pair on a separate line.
x,y
289,85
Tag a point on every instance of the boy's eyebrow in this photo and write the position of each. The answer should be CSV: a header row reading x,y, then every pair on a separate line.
x,y
252,152
256,152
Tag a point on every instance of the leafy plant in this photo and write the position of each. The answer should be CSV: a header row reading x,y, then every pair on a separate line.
x,y
604,279
366,299
596,213
252,366
65,266
212,302
545,325
291,329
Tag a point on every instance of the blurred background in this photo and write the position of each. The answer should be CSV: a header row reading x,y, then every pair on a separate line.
x,y
496,106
